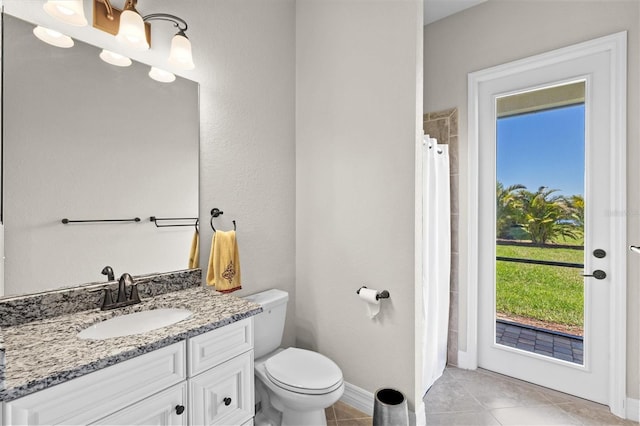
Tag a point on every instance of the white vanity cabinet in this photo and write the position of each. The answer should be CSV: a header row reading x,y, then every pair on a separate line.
x,y
221,376
206,380
94,396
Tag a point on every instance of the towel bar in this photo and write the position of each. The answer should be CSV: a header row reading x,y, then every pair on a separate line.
x,y
155,220
66,221
217,212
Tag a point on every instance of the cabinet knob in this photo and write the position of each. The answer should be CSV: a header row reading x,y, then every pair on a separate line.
x,y
227,401
179,409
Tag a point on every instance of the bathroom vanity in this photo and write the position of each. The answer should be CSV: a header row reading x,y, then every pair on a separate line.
x,y
196,371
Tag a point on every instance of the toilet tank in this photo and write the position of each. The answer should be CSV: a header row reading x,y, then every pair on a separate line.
x,y
268,325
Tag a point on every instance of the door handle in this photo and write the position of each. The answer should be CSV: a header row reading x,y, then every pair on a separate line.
x,y
597,274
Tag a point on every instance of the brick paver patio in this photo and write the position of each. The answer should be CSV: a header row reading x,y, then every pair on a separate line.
x,y
557,345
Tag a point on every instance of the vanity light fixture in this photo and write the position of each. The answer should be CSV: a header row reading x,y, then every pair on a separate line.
x,y
114,58
134,30
161,75
68,11
131,30
180,54
53,37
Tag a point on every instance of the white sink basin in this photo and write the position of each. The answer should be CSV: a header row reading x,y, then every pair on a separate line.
x,y
135,323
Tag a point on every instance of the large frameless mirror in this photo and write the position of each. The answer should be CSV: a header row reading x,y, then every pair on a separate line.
x,y
86,140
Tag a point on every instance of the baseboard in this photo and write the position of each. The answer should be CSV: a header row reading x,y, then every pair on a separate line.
x,y
466,361
358,398
633,409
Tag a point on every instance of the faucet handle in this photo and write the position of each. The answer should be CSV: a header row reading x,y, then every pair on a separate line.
x,y
106,300
134,297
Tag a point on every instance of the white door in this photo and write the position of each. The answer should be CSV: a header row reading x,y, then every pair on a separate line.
x,y
599,376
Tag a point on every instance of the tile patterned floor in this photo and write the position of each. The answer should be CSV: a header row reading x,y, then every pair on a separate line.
x,y
481,397
341,414
535,340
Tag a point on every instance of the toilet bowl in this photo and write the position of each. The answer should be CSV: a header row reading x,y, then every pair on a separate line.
x,y
301,384
293,386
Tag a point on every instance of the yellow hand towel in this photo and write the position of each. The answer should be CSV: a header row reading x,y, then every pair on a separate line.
x,y
194,254
224,262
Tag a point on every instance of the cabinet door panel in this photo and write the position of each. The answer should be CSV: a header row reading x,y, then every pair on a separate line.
x,y
223,395
217,346
157,410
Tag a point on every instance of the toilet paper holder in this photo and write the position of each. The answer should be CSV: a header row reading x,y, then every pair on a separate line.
x,y
384,294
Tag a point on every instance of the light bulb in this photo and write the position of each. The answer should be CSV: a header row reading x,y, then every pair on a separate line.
x,y
132,32
180,55
53,37
68,11
161,75
65,10
114,58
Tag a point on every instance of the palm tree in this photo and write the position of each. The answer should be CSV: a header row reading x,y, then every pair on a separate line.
x,y
576,202
546,216
506,209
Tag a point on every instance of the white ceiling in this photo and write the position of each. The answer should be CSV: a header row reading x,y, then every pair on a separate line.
x,y
435,10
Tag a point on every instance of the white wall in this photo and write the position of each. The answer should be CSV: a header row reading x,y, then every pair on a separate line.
x,y
358,82
244,51
500,31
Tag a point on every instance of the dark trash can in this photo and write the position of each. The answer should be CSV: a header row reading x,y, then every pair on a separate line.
x,y
390,408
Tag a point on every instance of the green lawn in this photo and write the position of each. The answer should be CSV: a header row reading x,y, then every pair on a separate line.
x,y
546,293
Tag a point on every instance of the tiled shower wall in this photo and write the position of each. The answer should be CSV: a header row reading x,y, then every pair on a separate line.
x,y
443,125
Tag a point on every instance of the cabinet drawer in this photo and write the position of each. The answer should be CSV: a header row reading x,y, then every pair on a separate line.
x,y
215,347
96,395
223,395
161,409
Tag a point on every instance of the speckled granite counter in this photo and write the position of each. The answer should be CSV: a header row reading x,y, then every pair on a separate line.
x,y
41,354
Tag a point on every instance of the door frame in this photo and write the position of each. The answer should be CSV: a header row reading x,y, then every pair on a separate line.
x,y
616,46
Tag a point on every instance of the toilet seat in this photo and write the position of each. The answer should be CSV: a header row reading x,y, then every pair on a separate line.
x,y
302,371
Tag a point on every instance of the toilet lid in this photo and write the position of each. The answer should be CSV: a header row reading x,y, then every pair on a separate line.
x,y
303,371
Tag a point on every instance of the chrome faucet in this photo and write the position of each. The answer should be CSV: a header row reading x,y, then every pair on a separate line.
x,y
122,299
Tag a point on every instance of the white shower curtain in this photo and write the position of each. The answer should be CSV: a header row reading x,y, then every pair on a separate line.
x,y
436,260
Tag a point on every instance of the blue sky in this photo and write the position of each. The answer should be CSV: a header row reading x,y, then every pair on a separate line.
x,y
543,149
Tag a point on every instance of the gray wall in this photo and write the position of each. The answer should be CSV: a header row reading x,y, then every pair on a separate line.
x,y
500,31
245,66
358,114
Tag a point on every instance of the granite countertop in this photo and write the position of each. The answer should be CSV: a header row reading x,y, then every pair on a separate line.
x,y
41,354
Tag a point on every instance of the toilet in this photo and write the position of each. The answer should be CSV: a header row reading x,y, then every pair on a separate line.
x,y
293,386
